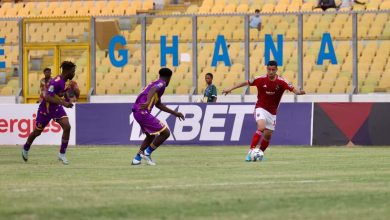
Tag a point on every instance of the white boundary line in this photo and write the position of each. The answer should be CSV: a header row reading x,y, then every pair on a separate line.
x,y
181,186
233,184
311,124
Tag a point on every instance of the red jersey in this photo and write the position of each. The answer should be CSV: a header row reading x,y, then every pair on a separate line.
x,y
270,92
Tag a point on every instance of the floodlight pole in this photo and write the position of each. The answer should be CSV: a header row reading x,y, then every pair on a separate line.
x,y
246,46
92,57
194,54
300,50
143,51
354,54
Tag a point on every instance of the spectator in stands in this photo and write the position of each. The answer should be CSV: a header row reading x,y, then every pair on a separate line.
x,y
15,72
44,83
348,3
325,4
255,20
210,93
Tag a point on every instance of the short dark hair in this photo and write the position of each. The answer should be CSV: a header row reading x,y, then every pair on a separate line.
x,y
210,74
67,65
46,69
165,72
257,11
272,63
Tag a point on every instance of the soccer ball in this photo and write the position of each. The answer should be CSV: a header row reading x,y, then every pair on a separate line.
x,y
257,155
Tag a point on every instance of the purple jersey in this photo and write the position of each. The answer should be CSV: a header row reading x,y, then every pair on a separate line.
x,y
160,85
56,88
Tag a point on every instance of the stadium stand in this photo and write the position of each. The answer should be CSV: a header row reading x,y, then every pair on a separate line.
x,y
373,32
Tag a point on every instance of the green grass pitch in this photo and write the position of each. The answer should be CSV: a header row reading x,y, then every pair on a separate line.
x,y
196,183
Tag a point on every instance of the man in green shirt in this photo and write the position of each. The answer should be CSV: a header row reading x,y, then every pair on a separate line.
x,y
210,93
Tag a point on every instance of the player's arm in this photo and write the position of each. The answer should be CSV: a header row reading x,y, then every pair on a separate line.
x,y
288,86
164,108
227,91
151,93
214,94
54,99
298,91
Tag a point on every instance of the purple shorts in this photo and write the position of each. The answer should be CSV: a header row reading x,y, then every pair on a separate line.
x,y
43,117
149,124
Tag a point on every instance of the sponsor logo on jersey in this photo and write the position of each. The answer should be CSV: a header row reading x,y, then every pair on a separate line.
x,y
51,88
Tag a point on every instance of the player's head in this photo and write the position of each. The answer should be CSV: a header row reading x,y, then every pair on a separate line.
x,y
257,12
165,74
272,68
209,78
47,72
68,69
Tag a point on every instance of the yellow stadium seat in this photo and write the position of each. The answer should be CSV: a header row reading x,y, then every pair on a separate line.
x,y
101,90
375,32
254,6
310,87
119,11
192,9
204,9
308,6
147,5
341,85
242,8
315,77
11,12
219,3
238,35
324,88
208,3
289,75
182,89
385,81
3,12
372,6
237,68
136,4
385,5
230,8
217,9
7,5
281,7
293,7
7,90
333,70
267,8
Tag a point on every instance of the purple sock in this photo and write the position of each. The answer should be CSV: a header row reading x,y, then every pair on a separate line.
x,y
64,145
27,146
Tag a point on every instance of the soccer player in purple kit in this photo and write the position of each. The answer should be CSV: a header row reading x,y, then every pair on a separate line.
x,y
156,131
51,107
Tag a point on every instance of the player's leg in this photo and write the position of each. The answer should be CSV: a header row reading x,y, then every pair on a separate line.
x,y
270,124
163,135
65,125
30,140
260,121
151,125
160,139
146,143
257,135
41,122
267,137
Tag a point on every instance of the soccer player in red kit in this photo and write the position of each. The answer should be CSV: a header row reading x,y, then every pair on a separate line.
x,y
270,89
